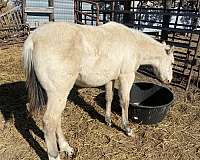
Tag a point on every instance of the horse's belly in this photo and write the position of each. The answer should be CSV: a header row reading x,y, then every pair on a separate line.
x,y
95,79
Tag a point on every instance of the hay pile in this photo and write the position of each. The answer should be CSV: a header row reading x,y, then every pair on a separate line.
x,y
176,137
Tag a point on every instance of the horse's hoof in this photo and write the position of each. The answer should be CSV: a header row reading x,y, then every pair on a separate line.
x,y
54,158
109,124
108,121
130,133
69,151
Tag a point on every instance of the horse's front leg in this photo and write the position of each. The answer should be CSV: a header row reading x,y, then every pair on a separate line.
x,y
109,97
125,84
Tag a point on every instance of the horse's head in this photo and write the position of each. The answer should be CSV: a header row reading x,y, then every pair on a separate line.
x,y
163,69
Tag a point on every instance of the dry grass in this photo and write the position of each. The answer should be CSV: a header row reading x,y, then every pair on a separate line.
x,y
176,137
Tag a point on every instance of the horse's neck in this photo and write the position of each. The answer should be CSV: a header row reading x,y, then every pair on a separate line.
x,y
148,49
149,56
150,60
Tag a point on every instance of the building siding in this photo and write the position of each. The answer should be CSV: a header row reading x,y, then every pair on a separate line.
x,y
63,11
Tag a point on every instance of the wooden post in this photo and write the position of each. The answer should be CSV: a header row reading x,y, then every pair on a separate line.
x,y
51,4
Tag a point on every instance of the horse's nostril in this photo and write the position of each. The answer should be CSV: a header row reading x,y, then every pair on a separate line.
x,y
167,81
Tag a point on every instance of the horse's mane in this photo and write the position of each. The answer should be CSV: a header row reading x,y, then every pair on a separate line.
x,y
138,34
146,37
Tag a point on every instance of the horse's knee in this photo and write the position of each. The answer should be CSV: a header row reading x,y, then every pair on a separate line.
x,y
124,101
109,92
109,97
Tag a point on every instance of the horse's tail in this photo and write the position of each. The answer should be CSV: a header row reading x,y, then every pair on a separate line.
x,y
36,94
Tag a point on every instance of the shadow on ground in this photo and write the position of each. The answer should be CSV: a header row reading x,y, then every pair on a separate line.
x,y
13,98
100,100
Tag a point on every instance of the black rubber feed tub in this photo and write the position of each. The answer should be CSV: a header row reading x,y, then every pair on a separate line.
x,y
150,102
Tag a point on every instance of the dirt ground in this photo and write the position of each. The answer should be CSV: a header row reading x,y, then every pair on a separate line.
x,y
177,137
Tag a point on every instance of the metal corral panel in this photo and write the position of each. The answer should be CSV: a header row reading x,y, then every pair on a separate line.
x,y
63,11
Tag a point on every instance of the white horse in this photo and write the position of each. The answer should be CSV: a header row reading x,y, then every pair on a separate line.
x,y
58,55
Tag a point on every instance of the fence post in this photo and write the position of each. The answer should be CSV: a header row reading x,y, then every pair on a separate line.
x,y
51,4
166,19
24,15
127,7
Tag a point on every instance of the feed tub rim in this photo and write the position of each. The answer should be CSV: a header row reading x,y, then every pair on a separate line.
x,y
156,106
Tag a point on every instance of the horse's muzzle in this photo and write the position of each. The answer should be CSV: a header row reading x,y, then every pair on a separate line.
x,y
167,81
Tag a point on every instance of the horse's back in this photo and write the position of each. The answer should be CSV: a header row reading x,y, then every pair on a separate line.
x,y
97,52
91,40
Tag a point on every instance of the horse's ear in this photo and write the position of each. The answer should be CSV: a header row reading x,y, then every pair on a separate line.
x,y
169,49
164,43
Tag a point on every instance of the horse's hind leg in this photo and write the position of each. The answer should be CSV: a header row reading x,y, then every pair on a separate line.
x,y
109,97
55,106
126,81
52,119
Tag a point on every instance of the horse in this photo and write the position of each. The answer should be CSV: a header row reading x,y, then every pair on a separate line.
x,y
59,55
